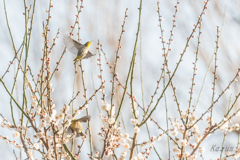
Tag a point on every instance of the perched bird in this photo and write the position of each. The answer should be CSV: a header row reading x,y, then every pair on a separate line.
x,y
81,50
76,126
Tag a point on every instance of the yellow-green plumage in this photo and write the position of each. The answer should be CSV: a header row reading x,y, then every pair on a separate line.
x,y
76,126
81,50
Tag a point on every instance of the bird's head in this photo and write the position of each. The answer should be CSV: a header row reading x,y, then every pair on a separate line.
x,y
74,120
87,44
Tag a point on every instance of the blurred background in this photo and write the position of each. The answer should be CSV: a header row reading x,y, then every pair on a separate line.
x,y
102,20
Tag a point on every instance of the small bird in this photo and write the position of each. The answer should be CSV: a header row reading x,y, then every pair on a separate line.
x,y
81,50
76,126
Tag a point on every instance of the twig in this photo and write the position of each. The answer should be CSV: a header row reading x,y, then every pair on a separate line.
x,y
133,145
15,154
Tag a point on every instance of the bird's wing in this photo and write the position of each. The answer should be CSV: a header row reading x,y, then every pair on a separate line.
x,y
88,55
84,119
72,45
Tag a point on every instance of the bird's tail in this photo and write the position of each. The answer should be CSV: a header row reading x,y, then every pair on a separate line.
x,y
78,58
74,61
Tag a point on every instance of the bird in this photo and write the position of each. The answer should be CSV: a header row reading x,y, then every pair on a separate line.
x,y
76,126
81,50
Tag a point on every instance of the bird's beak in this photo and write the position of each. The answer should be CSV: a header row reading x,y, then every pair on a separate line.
x,y
90,42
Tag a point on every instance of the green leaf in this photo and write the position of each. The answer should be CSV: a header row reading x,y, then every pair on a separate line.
x,y
66,149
